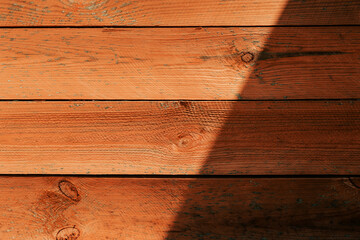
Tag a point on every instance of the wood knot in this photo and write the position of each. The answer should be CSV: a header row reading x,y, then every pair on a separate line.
x,y
188,140
68,233
355,181
69,190
184,141
185,104
247,57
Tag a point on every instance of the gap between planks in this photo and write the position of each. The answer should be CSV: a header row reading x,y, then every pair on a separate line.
x,y
154,27
178,100
190,176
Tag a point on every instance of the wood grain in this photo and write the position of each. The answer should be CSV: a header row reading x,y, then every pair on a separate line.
x,y
40,208
180,137
180,63
177,13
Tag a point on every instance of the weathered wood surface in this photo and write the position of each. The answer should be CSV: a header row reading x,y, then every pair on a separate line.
x,y
40,208
177,13
180,63
180,137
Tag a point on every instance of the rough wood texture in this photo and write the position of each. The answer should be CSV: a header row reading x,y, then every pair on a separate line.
x,y
40,208
177,12
171,137
181,63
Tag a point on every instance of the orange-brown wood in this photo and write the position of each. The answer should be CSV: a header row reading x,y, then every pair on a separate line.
x,y
121,208
172,137
177,12
250,50
180,63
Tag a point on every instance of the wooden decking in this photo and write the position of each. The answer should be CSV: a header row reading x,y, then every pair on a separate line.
x,y
164,119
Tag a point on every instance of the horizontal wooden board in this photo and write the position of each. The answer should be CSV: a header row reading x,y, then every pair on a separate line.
x,y
180,63
177,13
40,208
180,137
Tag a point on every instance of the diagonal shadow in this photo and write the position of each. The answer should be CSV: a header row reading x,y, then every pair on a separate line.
x,y
200,218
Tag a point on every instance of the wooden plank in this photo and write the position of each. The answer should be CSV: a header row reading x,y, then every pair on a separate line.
x,y
177,13
172,137
180,63
122,208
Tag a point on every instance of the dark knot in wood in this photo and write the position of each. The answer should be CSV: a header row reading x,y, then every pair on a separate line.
x,y
69,190
68,233
247,57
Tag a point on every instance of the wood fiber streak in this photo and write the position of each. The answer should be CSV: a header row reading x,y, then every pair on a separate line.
x,y
180,137
177,12
124,208
180,63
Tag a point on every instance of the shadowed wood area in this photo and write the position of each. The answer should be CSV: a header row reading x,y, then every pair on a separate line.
x,y
227,133
180,63
176,12
178,137
125,208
